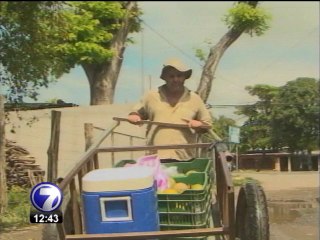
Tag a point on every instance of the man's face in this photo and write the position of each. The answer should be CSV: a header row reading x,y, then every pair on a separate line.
x,y
174,78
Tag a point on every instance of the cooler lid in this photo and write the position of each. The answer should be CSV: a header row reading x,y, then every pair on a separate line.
x,y
118,179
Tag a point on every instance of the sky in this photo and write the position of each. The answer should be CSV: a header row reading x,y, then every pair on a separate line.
x,y
288,50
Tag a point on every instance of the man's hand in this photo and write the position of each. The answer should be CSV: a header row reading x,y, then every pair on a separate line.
x,y
134,118
193,123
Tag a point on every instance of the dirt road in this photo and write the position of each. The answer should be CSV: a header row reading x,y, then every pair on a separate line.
x,y
292,200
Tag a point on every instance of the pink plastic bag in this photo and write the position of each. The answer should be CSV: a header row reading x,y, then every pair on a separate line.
x,y
160,176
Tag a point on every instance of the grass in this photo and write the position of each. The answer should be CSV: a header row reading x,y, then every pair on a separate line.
x,y
239,180
17,212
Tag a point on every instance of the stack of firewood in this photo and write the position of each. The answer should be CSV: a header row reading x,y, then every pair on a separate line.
x,y
21,167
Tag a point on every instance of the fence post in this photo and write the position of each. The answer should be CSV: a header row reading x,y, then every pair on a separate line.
x,y
3,179
53,149
88,134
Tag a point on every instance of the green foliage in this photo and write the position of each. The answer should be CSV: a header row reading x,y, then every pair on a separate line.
x,y
250,19
286,116
39,41
295,116
27,58
90,30
238,180
256,131
200,54
17,213
53,100
221,126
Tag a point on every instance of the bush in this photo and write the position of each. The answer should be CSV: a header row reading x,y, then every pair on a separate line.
x,y
239,181
17,213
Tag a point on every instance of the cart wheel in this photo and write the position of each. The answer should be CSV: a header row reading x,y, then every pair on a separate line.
x,y
252,220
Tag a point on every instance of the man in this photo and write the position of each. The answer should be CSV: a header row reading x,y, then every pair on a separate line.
x,y
172,103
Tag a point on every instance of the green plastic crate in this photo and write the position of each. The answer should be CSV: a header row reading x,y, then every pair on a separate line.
x,y
190,209
197,164
167,202
124,162
186,220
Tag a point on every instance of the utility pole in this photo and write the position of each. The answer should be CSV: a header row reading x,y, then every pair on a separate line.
x,y
150,83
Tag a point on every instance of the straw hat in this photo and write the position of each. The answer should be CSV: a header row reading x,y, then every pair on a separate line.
x,y
177,64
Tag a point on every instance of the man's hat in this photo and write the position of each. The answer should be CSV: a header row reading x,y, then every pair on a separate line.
x,y
177,64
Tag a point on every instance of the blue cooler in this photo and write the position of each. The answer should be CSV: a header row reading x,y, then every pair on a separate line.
x,y
118,200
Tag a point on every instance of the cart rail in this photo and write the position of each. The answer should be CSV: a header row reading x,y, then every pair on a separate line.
x,y
157,234
72,183
163,124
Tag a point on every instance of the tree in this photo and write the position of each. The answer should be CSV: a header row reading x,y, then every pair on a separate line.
x,y
244,17
96,39
256,131
295,115
27,56
91,34
221,126
286,116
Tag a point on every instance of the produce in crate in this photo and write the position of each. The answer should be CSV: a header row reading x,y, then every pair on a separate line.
x,y
168,191
196,186
181,187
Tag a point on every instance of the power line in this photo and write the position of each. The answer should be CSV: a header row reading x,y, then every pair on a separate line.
x,y
248,105
183,52
170,43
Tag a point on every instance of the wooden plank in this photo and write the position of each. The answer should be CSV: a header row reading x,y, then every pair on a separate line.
x,y
88,134
226,171
90,165
61,231
35,106
157,234
80,174
53,149
112,153
75,208
232,215
3,179
95,161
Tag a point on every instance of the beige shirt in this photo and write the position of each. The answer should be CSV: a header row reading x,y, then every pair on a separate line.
x,y
155,107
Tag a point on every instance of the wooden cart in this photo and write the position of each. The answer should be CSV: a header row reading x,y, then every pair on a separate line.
x,y
244,219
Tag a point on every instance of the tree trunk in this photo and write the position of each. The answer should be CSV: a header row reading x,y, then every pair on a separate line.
x,y
215,54
103,77
3,179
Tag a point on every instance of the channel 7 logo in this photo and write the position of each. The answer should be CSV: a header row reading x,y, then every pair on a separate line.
x,y
46,197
